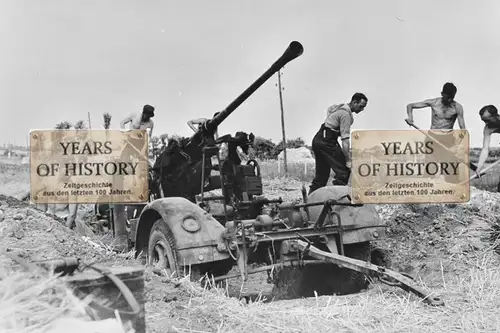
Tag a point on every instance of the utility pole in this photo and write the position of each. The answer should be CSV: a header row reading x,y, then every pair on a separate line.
x,y
90,126
282,123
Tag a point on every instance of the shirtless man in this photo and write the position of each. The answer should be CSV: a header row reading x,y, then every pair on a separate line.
x,y
137,121
141,121
199,122
489,115
445,112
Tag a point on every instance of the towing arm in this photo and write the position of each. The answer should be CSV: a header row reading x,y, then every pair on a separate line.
x,y
369,269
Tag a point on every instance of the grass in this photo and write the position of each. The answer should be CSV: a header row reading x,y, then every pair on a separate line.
x,y
471,296
271,169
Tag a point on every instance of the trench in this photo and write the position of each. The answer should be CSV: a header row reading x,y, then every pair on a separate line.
x,y
291,283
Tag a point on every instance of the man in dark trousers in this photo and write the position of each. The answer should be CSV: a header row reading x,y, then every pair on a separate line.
x,y
328,153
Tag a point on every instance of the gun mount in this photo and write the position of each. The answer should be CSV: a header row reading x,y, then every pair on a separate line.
x,y
183,168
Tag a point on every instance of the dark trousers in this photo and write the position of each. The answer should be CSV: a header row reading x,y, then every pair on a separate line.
x,y
328,155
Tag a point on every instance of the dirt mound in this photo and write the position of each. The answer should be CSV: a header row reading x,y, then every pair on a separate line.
x,y
35,235
427,240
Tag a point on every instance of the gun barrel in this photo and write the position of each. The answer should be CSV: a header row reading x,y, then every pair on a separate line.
x,y
293,51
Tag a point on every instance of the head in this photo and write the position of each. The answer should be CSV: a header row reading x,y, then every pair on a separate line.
x,y
488,113
244,140
448,93
358,102
148,112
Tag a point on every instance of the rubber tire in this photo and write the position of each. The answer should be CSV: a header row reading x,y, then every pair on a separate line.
x,y
161,233
338,281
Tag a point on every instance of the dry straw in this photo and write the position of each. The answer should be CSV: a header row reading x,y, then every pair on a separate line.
x,y
472,295
32,303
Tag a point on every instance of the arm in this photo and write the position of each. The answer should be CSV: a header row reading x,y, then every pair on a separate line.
x,y
151,129
485,150
460,116
241,154
73,210
345,134
346,143
125,121
197,121
418,105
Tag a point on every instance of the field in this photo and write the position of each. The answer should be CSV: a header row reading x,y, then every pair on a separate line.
x,y
451,249
304,171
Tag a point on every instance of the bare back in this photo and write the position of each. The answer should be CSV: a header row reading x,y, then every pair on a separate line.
x,y
443,117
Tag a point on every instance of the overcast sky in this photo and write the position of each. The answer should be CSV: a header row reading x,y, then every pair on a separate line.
x,y
62,59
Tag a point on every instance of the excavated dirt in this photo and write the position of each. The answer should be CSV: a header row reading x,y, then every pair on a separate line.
x,y
36,236
430,241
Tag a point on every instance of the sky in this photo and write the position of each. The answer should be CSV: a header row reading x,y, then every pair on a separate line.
x,y
189,59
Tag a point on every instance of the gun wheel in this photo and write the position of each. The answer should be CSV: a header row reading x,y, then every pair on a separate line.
x,y
162,250
163,256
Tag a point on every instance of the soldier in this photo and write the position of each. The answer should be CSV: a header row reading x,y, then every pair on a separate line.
x,y
489,115
445,112
328,154
141,121
200,122
137,121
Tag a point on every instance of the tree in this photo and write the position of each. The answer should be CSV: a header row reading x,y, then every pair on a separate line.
x,y
155,145
264,148
164,139
80,124
107,120
64,125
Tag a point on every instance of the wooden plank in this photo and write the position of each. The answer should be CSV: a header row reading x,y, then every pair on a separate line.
x,y
106,293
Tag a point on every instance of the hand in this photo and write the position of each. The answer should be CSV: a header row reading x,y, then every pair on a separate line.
x,y
348,164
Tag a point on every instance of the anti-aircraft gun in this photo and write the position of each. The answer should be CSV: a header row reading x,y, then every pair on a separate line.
x,y
183,170
326,236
